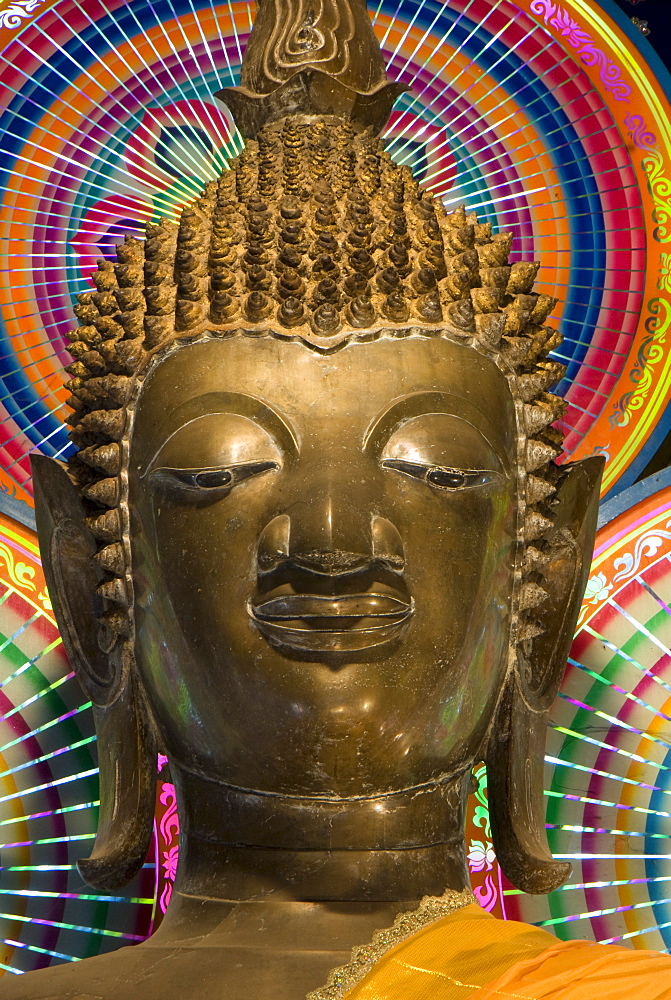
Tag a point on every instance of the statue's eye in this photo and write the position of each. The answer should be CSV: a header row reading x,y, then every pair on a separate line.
x,y
207,457
212,478
454,479
201,485
441,477
448,479
442,451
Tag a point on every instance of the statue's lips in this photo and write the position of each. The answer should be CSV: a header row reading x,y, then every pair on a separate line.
x,y
344,623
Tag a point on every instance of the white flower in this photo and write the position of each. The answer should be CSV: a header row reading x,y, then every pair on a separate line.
x,y
481,855
597,588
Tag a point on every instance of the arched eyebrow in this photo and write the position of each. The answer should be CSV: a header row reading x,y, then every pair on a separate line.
x,y
417,403
209,403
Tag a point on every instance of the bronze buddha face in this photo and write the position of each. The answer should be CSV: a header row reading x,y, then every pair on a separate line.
x,y
323,552
316,514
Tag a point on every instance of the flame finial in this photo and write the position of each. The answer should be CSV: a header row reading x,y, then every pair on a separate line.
x,y
311,57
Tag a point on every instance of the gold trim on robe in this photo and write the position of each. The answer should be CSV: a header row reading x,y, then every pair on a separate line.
x,y
470,955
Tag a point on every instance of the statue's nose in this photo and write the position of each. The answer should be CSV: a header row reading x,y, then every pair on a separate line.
x,y
329,523
328,546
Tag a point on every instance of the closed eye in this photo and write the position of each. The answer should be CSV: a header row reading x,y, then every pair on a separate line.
x,y
205,485
442,477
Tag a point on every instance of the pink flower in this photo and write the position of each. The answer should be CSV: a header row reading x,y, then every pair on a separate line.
x,y
170,863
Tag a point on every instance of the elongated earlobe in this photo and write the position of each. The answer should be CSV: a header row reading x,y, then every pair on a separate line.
x,y
515,765
516,749
127,763
126,746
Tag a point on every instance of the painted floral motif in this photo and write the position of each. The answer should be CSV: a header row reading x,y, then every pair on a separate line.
x,y
45,600
20,573
664,280
597,588
481,812
565,25
647,546
171,858
168,831
12,17
637,131
660,189
487,894
558,18
627,565
169,825
650,353
481,855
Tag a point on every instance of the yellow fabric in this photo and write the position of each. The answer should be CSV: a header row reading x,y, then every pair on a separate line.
x,y
582,970
451,959
470,954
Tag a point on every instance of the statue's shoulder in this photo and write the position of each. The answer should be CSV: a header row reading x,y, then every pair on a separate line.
x,y
105,977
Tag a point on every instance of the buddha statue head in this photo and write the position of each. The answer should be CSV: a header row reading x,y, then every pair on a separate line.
x,y
313,543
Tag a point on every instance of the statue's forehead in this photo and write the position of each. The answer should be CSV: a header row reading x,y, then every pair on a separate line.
x,y
360,381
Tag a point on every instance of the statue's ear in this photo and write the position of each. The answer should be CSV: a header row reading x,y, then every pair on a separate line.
x,y
516,749
126,746
570,544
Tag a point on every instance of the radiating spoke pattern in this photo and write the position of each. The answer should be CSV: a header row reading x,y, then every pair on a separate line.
x,y
49,787
609,746
544,123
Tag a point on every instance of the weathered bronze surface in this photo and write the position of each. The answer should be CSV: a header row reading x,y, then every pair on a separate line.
x,y
318,58
314,545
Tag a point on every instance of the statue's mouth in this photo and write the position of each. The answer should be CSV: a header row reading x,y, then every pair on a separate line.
x,y
343,623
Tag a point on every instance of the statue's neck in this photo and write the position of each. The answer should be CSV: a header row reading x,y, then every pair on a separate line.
x,y
242,845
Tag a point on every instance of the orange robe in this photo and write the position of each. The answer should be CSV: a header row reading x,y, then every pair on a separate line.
x,y
470,955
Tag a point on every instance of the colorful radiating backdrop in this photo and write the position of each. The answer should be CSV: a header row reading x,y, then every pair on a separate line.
x,y
609,745
48,785
542,116
548,118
